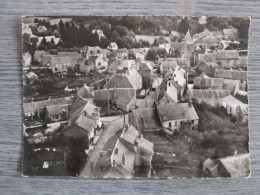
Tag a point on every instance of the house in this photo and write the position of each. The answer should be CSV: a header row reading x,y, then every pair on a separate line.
x,y
208,83
99,33
87,65
101,64
121,54
171,115
46,58
97,51
83,107
242,62
145,70
122,98
233,75
80,130
125,79
235,166
166,46
57,113
227,58
210,168
112,46
61,64
210,96
27,58
86,93
230,34
191,74
167,67
38,55
191,114
31,77
38,108
139,53
235,108
145,119
129,155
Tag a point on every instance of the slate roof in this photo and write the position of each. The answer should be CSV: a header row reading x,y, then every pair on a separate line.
x,y
131,79
85,123
237,165
85,92
226,55
69,54
190,111
205,83
231,74
204,67
57,109
210,96
232,101
179,61
171,111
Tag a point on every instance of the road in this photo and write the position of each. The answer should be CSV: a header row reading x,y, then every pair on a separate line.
x,y
110,130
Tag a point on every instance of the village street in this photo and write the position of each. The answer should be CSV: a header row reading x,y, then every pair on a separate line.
x,y
148,101
110,130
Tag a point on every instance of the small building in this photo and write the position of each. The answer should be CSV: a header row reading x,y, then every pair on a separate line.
x,y
86,93
112,46
125,79
191,114
208,83
210,168
171,116
41,29
166,46
230,34
236,108
61,64
235,166
128,155
57,113
31,77
227,58
97,51
121,54
99,33
232,75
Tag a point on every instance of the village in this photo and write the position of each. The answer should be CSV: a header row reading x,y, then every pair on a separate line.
x,y
119,98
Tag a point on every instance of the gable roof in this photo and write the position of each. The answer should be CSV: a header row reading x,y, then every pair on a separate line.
x,y
210,96
231,74
69,54
122,50
232,101
171,111
237,165
190,111
85,123
145,66
204,83
57,109
226,54
209,164
85,92
96,50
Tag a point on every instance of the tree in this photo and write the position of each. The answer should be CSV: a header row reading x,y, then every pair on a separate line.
x,y
104,42
122,31
106,28
155,42
114,36
121,43
52,41
183,26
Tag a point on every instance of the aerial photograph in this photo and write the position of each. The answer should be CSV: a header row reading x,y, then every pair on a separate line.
x,y
135,96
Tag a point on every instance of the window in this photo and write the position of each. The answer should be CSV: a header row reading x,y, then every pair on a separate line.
x,y
170,125
175,123
192,121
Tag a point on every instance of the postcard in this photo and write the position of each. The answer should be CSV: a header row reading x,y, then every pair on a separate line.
x,y
135,96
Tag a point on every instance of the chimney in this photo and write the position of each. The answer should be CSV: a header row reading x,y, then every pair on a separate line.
x,y
136,143
123,159
139,134
190,103
116,151
85,113
109,151
114,163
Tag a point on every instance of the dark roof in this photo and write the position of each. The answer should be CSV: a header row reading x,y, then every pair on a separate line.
x,y
57,109
205,83
123,50
206,68
226,54
145,66
171,111
69,54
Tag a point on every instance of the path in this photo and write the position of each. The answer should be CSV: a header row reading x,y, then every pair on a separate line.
x,y
94,154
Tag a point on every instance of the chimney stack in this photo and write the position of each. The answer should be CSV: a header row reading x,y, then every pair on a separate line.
x,y
116,151
136,143
123,159
139,134
114,163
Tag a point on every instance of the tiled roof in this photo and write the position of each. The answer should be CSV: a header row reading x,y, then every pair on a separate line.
x,y
69,54
226,54
205,83
171,111
190,112
57,109
231,74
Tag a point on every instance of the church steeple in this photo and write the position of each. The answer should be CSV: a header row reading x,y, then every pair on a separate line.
x,y
187,39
